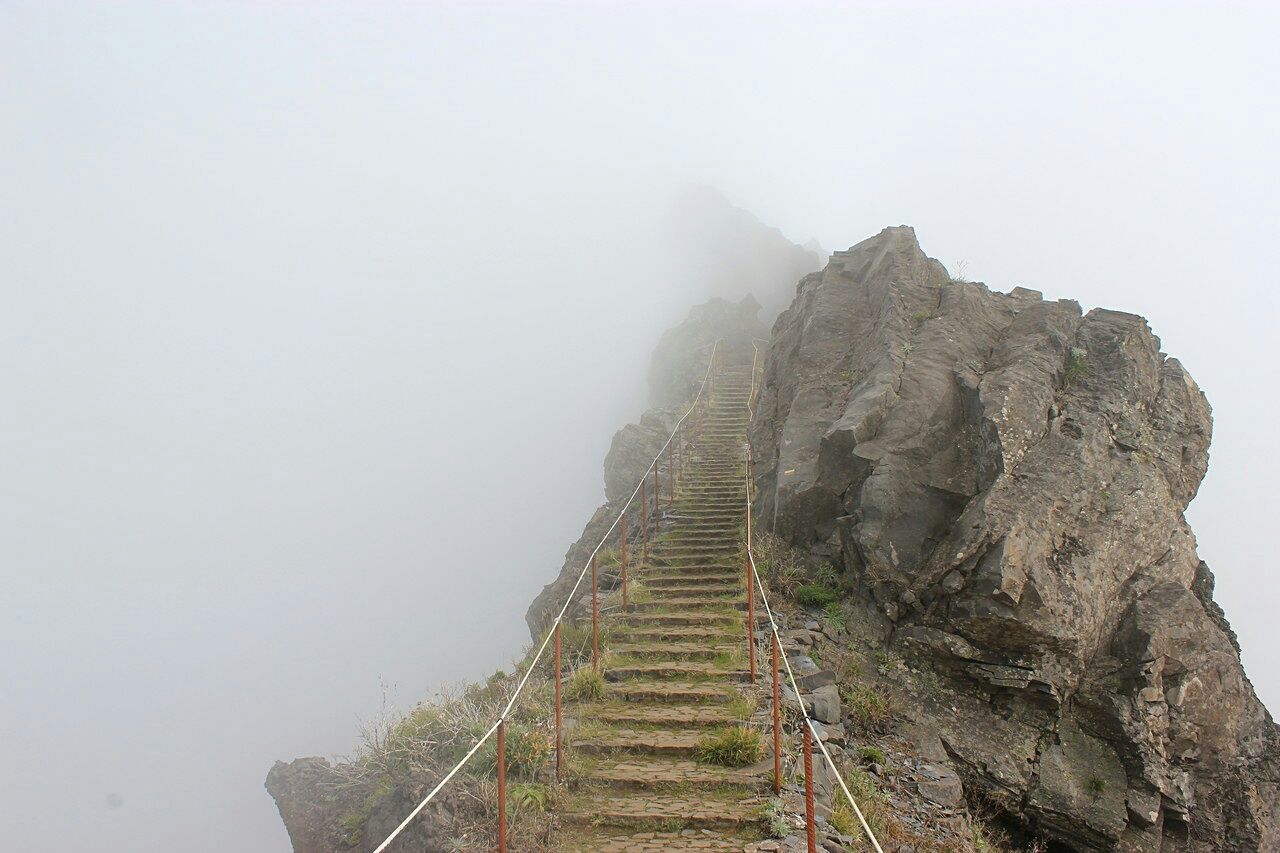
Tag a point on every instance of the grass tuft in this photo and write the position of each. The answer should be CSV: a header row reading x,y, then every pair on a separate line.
x,y
816,595
732,746
585,685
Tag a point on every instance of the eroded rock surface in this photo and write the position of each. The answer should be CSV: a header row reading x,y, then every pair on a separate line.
x,y
1004,479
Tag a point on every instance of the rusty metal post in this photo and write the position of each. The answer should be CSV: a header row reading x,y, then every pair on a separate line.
x,y
644,519
559,715
595,618
502,786
751,622
671,477
676,441
657,496
624,559
777,722
808,787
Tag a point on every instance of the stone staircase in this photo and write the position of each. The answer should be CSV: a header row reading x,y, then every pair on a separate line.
x,y
676,668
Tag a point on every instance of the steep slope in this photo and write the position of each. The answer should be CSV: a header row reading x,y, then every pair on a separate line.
x,y
1002,481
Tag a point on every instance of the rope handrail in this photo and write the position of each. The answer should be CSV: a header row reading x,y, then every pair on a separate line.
x,y
777,638
706,376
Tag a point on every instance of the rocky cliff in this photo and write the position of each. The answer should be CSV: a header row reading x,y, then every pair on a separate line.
x,y
1000,481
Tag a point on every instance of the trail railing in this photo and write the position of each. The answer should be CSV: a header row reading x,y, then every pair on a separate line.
x,y
811,734
672,450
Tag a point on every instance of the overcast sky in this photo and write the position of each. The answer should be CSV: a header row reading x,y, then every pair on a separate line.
x,y
316,320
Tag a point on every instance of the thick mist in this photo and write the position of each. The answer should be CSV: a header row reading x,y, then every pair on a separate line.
x,y
317,320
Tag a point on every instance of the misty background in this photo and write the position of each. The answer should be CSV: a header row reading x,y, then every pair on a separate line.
x,y
317,319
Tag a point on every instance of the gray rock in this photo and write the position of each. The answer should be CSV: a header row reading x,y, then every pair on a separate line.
x,y
1005,478
824,703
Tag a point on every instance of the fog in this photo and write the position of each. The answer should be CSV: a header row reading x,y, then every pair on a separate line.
x,y
317,320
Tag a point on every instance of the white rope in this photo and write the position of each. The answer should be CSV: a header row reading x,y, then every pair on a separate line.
x,y
773,624
564,609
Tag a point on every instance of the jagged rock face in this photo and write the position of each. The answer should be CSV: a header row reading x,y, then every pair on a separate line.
x,y
1006,479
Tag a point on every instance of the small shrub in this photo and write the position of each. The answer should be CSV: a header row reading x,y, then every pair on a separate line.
x,y
775,815
816,595
527,749
1077,365
919,317
871,754
866,705
529,795
732,746
740,707
585,685
1096,787
607,557
843,820
827,575
833,618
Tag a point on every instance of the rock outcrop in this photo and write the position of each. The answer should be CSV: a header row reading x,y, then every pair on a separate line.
x,y
1003,478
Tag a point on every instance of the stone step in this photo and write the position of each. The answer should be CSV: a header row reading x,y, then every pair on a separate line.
x,y
656,772
673,650
720,596
646,741
646,809
723,592
697,605
668,715
675,669
689,570
650,633
636,690
657,618
725,580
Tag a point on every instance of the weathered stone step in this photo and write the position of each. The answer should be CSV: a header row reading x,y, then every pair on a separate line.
x,y
696,604
667,547
668,715
654,772
673,650
646,741
689,570
718,581
675,669
676,541
650,633
636,690
624,841
648,809
701,598
724,557
654,619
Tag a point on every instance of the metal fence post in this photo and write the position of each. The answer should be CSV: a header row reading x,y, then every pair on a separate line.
x,y
777,722
751,622
644,519
559,716
502,786
595,617
624,559
657,495
808,787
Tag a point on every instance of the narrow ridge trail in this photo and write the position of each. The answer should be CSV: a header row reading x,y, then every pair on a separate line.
x,y
677,667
